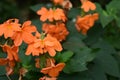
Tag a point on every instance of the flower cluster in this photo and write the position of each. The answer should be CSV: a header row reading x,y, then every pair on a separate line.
x,y
51,14
45,45
16,33
56,17
58,30
85,21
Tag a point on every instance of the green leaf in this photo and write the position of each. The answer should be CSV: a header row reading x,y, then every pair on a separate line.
x,y
42,61
73,13
75,76
79,61
113,5
114,10
114,40
118,21
73,31
35,8
105,18
2,70
33,75
2,54
65,56
94,34
14,76
26,60
96,72
105,48
73,44
105,59
112,78
57,56
38,24
109,65
3,77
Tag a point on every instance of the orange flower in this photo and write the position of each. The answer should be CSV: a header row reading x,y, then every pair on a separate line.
x,y
9,27
11,59
9,65
51,14
44,13
85,23
31,49
58,31
37,34
22,72
48,28
56,14
49,44
12,52
47,64
3,61
53,71
9,70
58,1
25,34
40,46
87,5
37,63
66,4
6,61
47,78
50,62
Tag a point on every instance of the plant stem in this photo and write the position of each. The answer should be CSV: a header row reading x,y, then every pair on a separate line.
x,y
8,77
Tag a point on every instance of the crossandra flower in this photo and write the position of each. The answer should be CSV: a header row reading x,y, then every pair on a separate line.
x,y
51,14
59,30
47,63
9,27
47,44
50,62
53,70
10,67
31,49
57,1
47,78
22,72
85,23
11,59
87,5
56,14
3,61
37,63
66,4
9,64
43,12
12,52
25,34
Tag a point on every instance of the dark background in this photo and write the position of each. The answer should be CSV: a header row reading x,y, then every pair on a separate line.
x,y
21,8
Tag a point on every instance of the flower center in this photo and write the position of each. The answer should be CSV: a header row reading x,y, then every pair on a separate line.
x,y
9,26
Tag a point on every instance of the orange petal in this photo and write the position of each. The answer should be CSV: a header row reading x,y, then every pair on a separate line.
x,y
51,51
17,39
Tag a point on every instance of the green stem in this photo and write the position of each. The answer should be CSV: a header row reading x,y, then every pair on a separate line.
x,y
8,77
